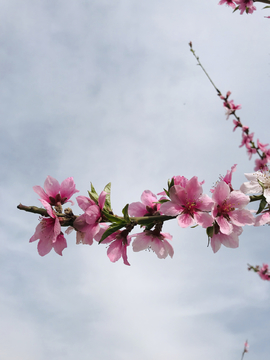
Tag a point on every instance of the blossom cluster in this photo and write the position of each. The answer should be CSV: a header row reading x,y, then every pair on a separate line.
x,y
247,138
243,5
223,215
263,271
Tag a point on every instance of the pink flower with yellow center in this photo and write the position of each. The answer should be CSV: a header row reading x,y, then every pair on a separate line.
x,y
189,204
229,208
229,215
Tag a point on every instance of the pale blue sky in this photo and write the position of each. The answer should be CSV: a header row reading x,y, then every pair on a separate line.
x,y
109,91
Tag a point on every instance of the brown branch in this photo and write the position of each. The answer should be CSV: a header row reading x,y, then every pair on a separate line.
x,y
33,209
66,219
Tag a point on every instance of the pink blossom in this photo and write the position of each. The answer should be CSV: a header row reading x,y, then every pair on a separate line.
x,y
230,241
180,180
147,207
246,139
262,147
56,194
118,248
189,204
262,219
230,216
267,154
119,242
264,272
261,164
226,203
231,107
154,240
237,124
245,5
228,92
228,2
50,235
228,177
250,150
88,223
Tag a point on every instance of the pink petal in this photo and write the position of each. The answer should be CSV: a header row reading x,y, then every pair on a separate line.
x,y
69,230
137,209
48,208
170,208
242,217
215,243
193,189
44,247
141,242
168,248
261,219
56,229
84,202
38,189
203,219
167,236
67,188
60,244
230,241
158,247
92,214
51,186
102,199
178,195
237,199
148,198
114,251
205,203
221,192
37,233
225,227
124,255
80,223
185,220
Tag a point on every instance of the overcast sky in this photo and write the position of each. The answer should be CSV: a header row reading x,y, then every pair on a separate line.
x,y
107,90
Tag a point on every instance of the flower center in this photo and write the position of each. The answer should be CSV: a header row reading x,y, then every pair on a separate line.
x,y
190,207
224,209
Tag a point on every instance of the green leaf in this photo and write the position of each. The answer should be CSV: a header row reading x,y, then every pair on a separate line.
x,y
125,213
237,7
93,194
210,231
113,228
113,219
162,201
167,192
266,7
170,183
107,204
263,203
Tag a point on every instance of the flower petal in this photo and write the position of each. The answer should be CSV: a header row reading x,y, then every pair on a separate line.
x,y
148,198
51,186
60,244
